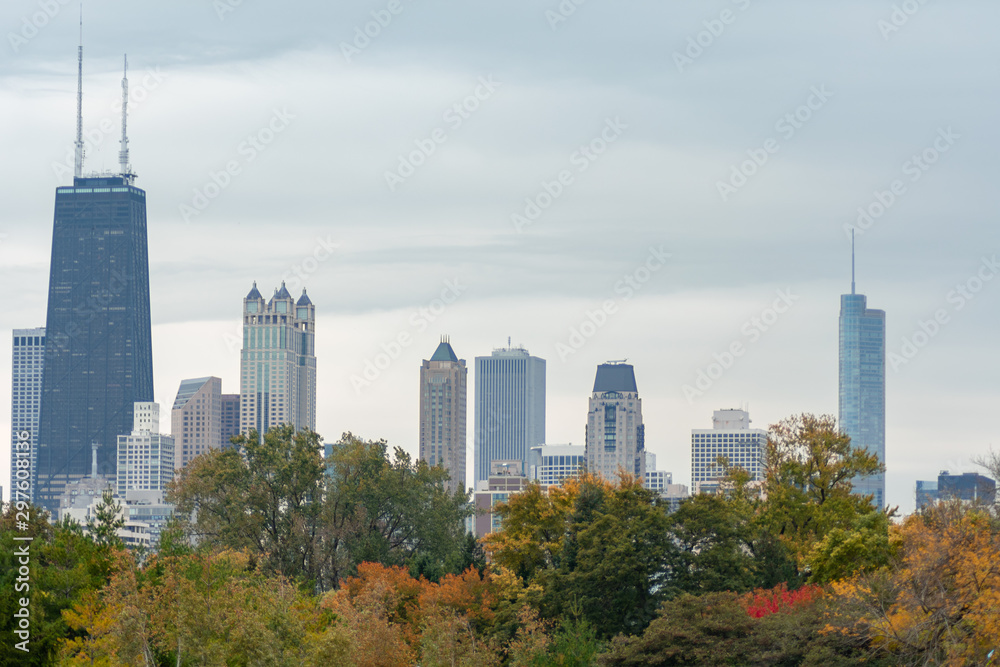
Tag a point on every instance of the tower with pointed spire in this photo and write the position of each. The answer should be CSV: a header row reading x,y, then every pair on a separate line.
x,y
862,382
278,362
443,382
98,357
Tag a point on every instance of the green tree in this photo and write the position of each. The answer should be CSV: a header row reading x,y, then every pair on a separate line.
x,y
262,495
809,465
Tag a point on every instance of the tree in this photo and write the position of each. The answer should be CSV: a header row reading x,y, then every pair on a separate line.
x,y
809,465
938,603
108,519
393,511
591,545
263,495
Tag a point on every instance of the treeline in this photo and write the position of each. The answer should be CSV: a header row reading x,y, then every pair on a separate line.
x,y
362,559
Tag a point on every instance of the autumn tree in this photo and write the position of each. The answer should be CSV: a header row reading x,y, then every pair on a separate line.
x,y
938,603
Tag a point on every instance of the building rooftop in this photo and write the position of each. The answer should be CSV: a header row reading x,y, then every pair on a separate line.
x,y
444,352
615,377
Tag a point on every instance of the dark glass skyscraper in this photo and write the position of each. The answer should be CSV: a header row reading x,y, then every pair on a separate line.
x,y
862,383
98,353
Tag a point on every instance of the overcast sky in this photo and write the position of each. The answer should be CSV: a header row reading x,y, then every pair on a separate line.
x,y
279,141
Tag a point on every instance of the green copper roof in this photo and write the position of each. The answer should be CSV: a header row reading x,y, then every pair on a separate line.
x,y
444,353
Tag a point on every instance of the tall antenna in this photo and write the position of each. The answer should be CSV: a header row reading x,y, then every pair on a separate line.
x,y
78,162
126,171
852,260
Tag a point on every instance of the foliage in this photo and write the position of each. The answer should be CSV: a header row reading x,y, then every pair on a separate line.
x,y
809,465
315,521
591,546
938,604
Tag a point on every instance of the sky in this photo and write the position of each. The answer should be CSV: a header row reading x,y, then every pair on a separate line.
x,y
594,180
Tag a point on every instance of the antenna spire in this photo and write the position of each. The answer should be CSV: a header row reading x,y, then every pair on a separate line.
x,y
126,170
852,260
78,153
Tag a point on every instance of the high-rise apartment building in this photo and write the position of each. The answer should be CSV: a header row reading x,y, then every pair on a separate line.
x,y
443,382
616,437
25,395
549,465
509,408
145,456
98,353
862,383
196,418
278,362
730,437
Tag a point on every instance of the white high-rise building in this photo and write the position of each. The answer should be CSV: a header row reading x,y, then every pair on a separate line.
x,y
145,457
730,437
616,438
278,362
549,465
509,408
25,394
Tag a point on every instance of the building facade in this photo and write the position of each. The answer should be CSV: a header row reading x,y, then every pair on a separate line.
x,y
230,418
98,352
549,465
278,362
505,479
730,437
196,418
616,438
25,395
969,487
509,407
145,456
862,384
443,391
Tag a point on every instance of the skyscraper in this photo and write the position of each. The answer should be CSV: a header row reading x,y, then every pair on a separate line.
x,y
616,437
230,417
862,382
145,457
730,437
25,394
278,362
443,381
509,409
196,419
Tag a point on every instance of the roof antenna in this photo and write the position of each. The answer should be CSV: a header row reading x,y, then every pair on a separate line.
x,y
123,153
852,260
78,161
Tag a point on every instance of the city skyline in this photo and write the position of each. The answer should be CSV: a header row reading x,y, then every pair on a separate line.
x,y
439,253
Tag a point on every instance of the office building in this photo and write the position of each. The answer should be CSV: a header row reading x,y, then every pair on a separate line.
x,y
25,395
969,487
616,440
549,465
196,419
505,479
732,438
509,408
145,456
278,362
443,382
98,352
862,383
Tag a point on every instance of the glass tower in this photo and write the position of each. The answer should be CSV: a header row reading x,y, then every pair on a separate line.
x,y
862,384
98,352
